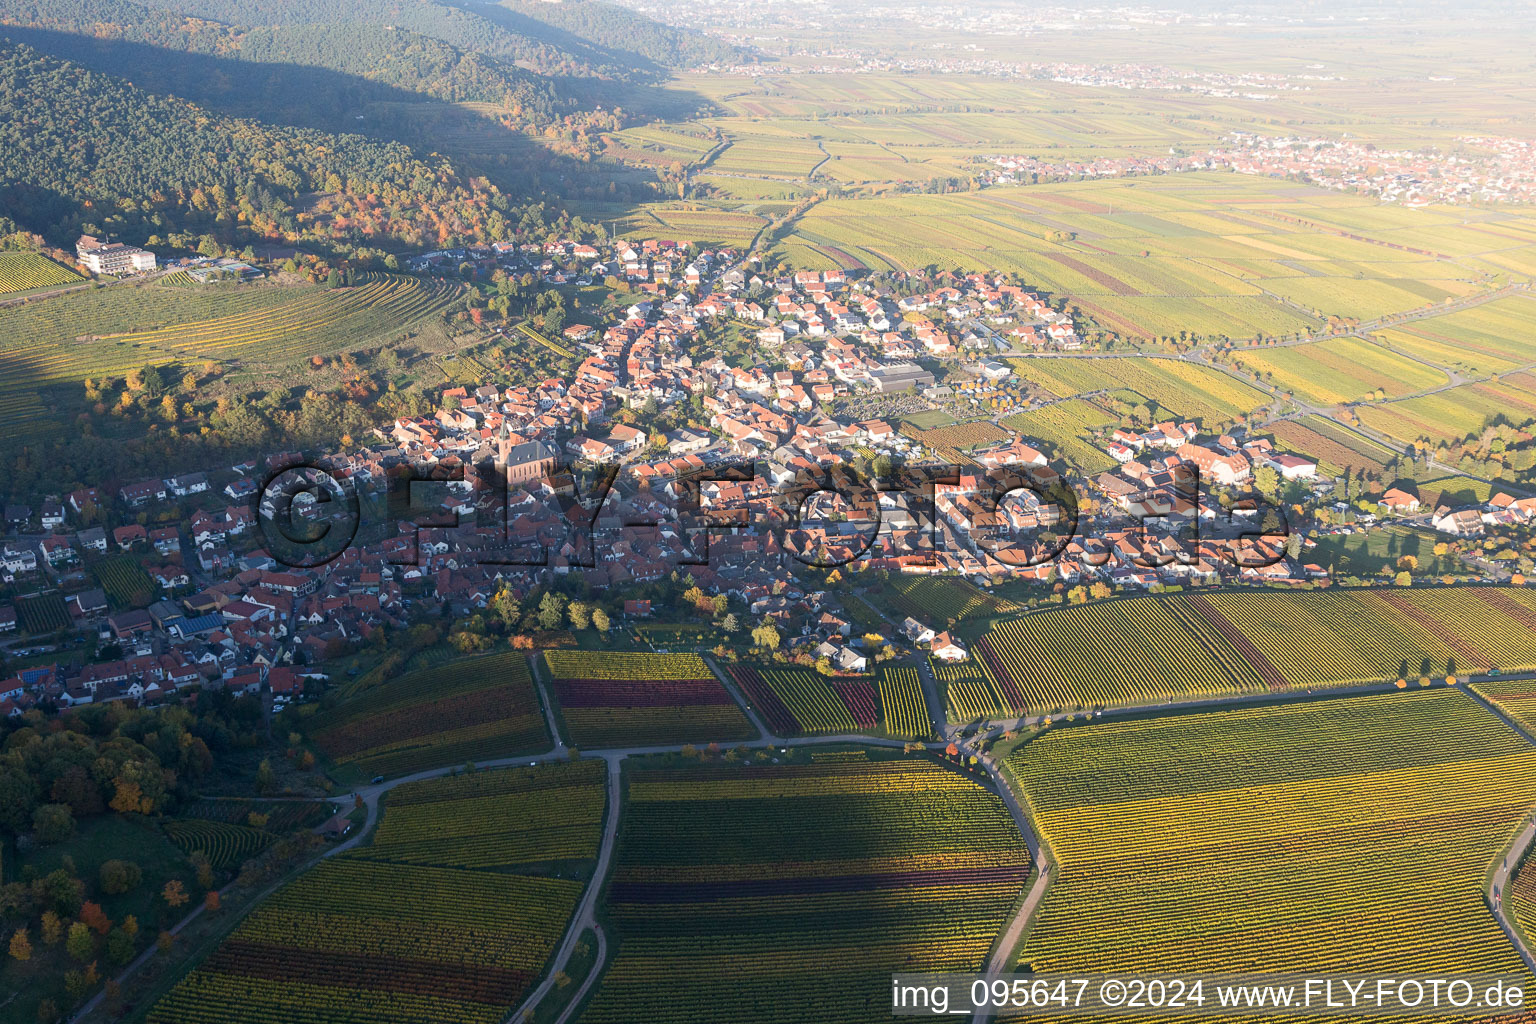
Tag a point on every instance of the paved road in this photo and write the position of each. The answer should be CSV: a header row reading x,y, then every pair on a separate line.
x,y
585,916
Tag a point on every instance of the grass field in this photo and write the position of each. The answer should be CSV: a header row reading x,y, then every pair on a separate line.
x,y
1284,839
446,918
791,892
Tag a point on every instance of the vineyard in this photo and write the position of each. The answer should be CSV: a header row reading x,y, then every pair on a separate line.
x,y
225,845
108,332
1151,650
1181,389
963,436
772,893
281,815
124,581
940,599
1064,428
626,699
23,271
319,322
1515,697
43,613
802,702
470,709
901,698
1333,838
971,693
495,819
1334,448
396,931
1340,370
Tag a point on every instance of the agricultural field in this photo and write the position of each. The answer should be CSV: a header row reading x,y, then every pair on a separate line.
x,y
791,892
124,581
1335,448
1495,337
1515,697
1339,370
1241,255
766,157
1372,551
43,613
1181,390
801,702
53,345
1062,431
613,699
938,601
471,709
970,692
902,702
1279,839
1458,413
448,918
1152,650
280,815
24,271
225,845
960,436
496,819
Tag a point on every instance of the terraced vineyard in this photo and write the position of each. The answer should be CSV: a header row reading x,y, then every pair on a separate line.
x,y
469,709
1333,837
224,845
366,939
317,323
109,331
774,893
24,271
801,702
620,699
1151,650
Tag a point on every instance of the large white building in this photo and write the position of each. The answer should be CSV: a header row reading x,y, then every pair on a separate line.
x,y
112,257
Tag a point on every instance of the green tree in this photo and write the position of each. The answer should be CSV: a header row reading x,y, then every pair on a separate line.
x,y
119,876
551,611
80,943
53,823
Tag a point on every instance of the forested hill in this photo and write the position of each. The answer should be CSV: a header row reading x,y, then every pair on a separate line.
x,y
583,38
94,32
619,28
79,148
